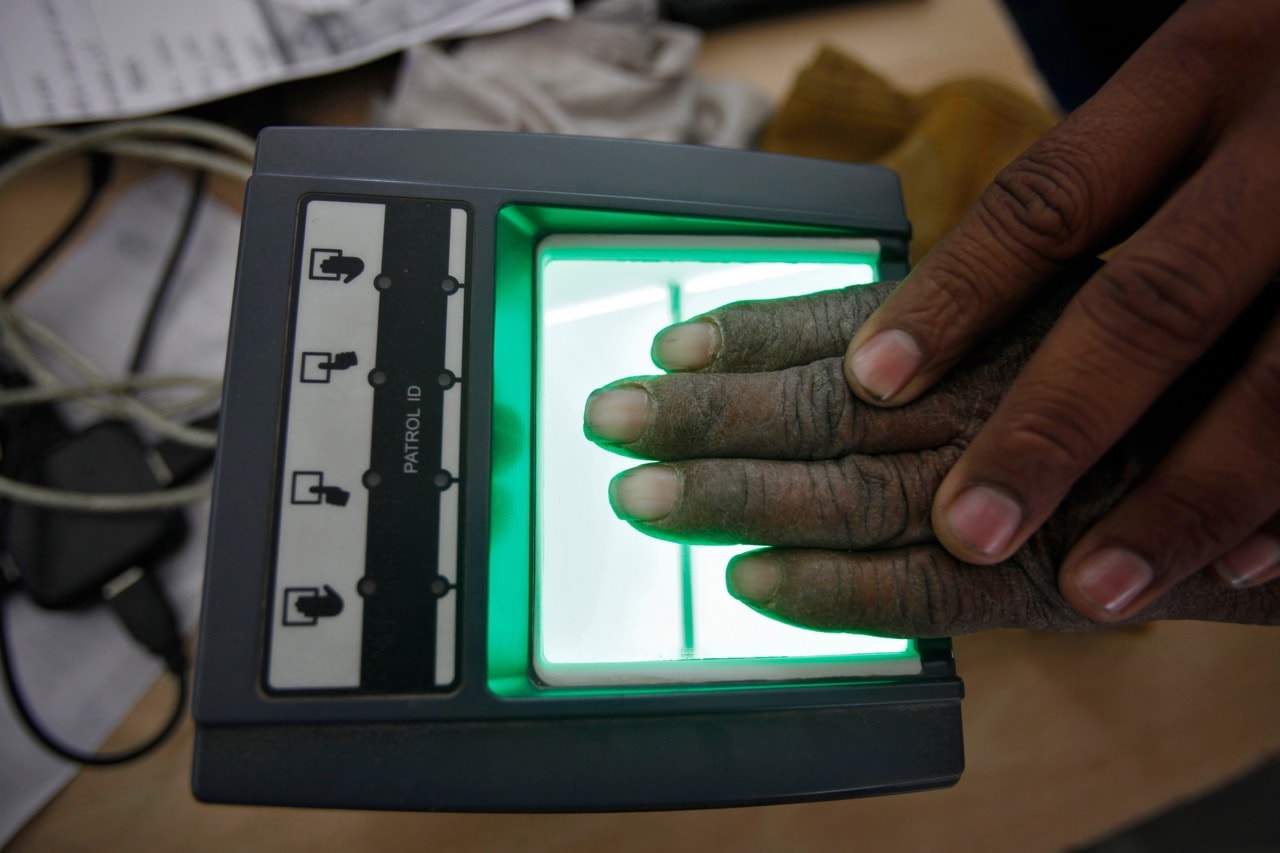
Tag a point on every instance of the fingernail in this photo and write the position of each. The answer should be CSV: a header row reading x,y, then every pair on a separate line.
x,y
984,519
1252,559
644,494
685,346
886,363
1113,577
617,414
753,579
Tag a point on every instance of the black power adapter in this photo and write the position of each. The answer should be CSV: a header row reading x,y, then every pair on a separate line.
x,y
66,559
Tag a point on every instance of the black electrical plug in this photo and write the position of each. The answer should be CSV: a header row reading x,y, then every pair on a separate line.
x,y
136,597
174,463
65,557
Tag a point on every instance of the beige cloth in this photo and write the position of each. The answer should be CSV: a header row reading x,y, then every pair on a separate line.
x,y
946,144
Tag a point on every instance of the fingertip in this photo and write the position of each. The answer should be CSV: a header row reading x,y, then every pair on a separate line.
x,y
616,415
980,524
753,579
1106,582
686,346
883,365
1254,561
645,494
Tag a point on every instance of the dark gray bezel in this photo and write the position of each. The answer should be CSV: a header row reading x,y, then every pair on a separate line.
x,y
468,749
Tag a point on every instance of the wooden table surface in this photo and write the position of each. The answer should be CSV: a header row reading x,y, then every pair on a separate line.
x,y
1068,737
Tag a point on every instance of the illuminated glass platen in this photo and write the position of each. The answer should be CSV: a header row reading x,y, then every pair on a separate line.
x,y
612,605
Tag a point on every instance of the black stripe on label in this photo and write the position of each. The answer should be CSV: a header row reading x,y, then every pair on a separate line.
x,y
401,583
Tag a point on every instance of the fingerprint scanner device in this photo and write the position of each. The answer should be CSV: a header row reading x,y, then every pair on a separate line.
x,y
417,596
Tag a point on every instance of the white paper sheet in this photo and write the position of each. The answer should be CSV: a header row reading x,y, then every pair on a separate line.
x,y
81,60
81,672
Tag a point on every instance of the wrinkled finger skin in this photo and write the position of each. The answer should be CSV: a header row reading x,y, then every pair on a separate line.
x,y
1176,156
763,444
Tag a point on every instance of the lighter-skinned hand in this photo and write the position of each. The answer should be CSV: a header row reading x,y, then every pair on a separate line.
x,y
760,441
1177,157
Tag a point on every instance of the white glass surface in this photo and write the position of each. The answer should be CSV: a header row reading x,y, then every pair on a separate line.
x,y
612,604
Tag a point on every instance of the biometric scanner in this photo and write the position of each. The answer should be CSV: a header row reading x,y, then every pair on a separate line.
x,y
417,596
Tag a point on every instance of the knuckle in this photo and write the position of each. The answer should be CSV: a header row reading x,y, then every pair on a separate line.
x,y
773,334
689,410
747,335
1055,435
721,504
950,602
1041,203
1159,306
843,522
747,496
1198,521
832,317
955,295
816,409
886,500
856,302
912,591
871,506
823,591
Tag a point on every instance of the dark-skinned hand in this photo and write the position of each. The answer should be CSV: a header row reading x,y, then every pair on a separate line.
x,y
762,442
1176,156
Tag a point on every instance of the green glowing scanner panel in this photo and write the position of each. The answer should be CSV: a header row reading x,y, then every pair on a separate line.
x,y
612,605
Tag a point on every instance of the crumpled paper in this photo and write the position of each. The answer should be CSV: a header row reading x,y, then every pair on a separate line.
x,y
616,69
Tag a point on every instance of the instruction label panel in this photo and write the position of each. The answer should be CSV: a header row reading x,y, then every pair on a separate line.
x,y
365,585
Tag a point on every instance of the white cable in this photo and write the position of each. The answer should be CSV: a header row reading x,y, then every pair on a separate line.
x,y
14,324
134,133
183,409
43,496
173,153
157,139
181,127
51,394
187,156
